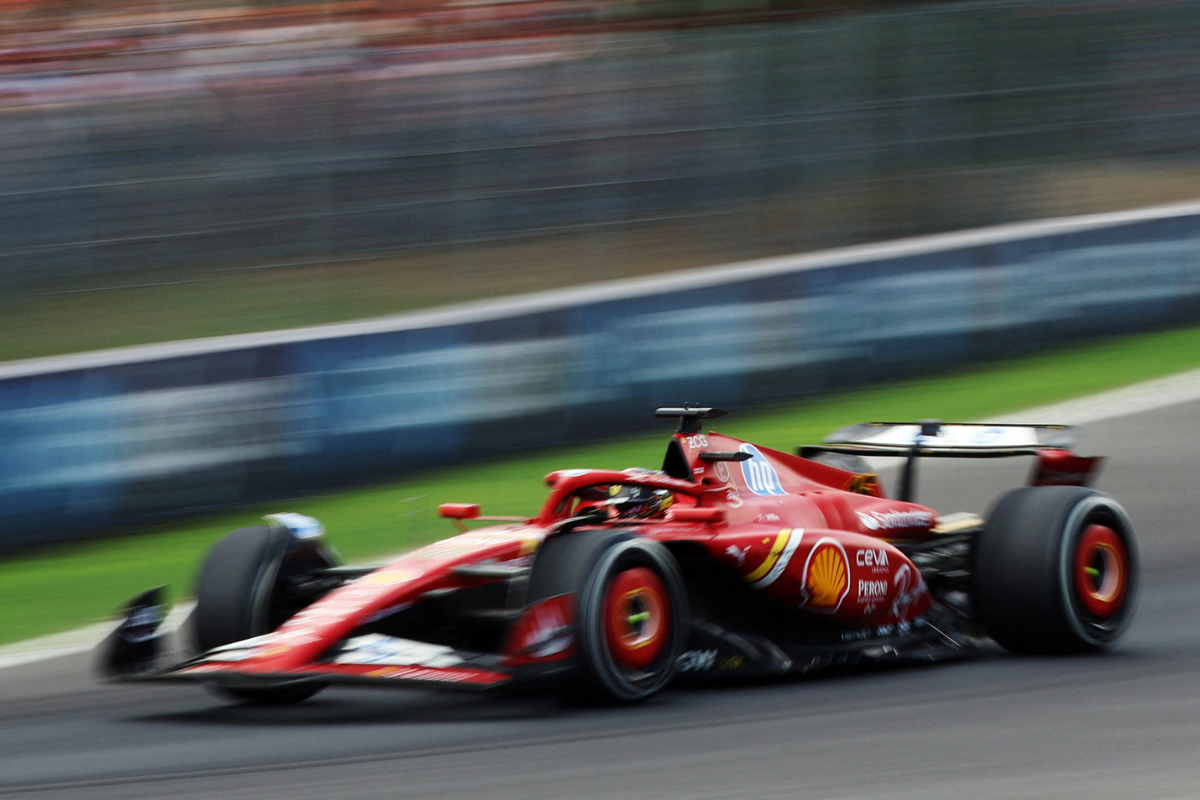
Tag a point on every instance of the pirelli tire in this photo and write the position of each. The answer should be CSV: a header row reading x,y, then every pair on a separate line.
x,y
242,592
1056,571
631,610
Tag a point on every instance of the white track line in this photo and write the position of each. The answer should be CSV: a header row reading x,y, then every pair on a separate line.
x,y
80,640
1146,396
1150,395
622,289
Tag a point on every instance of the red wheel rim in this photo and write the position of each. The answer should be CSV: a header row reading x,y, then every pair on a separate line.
x,y
637,617
1101,571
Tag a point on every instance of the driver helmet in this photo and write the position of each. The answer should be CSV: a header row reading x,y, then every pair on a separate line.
x,y
638,502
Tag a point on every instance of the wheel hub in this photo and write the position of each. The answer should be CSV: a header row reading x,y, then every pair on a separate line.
x,y
637,618
1101,571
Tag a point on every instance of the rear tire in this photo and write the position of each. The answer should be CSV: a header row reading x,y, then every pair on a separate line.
x,y
237,599
1056,570
630,609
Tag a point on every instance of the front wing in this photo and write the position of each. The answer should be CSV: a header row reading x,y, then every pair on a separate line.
x,y
138,650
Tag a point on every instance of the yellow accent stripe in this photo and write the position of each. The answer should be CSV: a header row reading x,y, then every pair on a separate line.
x,y
954,523
773,556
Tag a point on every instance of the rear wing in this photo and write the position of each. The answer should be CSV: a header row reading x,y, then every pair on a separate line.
x,y
953,440
1057,465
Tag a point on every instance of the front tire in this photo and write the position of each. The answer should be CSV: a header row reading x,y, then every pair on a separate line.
x,y
240,594
1056,570
630,609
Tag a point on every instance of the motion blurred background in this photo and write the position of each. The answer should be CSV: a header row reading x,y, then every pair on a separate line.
x,y
174,169
177,168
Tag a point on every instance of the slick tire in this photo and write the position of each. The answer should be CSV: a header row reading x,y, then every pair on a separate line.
x,y
234,594
630,609
1056,571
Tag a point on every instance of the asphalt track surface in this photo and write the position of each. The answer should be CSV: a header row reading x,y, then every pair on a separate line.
x,y
1125,724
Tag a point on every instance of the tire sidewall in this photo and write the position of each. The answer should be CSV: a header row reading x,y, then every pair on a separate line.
x,y
233,599
582,563
1083,513
595,653
234,586
1025,590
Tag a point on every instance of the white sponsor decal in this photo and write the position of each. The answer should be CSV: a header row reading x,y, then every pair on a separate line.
x,y
699,440
909,588
899,629
987,436
871,558
696,660
872,590
956,436
759,474
892,520
733,497
737,553
375,648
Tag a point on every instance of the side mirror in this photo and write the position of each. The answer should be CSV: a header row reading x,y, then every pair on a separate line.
x,y
459,510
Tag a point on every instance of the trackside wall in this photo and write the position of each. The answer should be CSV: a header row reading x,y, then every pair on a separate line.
x,y
96,441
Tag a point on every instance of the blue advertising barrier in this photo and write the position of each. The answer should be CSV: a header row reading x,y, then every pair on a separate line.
x,y
97,441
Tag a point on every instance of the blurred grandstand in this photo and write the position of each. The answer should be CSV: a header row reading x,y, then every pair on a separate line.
x,y
80,29
500,146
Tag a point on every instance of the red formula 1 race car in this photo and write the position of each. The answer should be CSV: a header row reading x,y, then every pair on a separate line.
x,y
731,560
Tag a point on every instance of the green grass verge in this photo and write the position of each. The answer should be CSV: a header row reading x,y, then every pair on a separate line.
x,y
65,586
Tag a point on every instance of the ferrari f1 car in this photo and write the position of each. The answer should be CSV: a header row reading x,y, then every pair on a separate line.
x,y
730,560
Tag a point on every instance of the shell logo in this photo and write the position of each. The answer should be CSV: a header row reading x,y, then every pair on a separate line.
x,y
826,576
